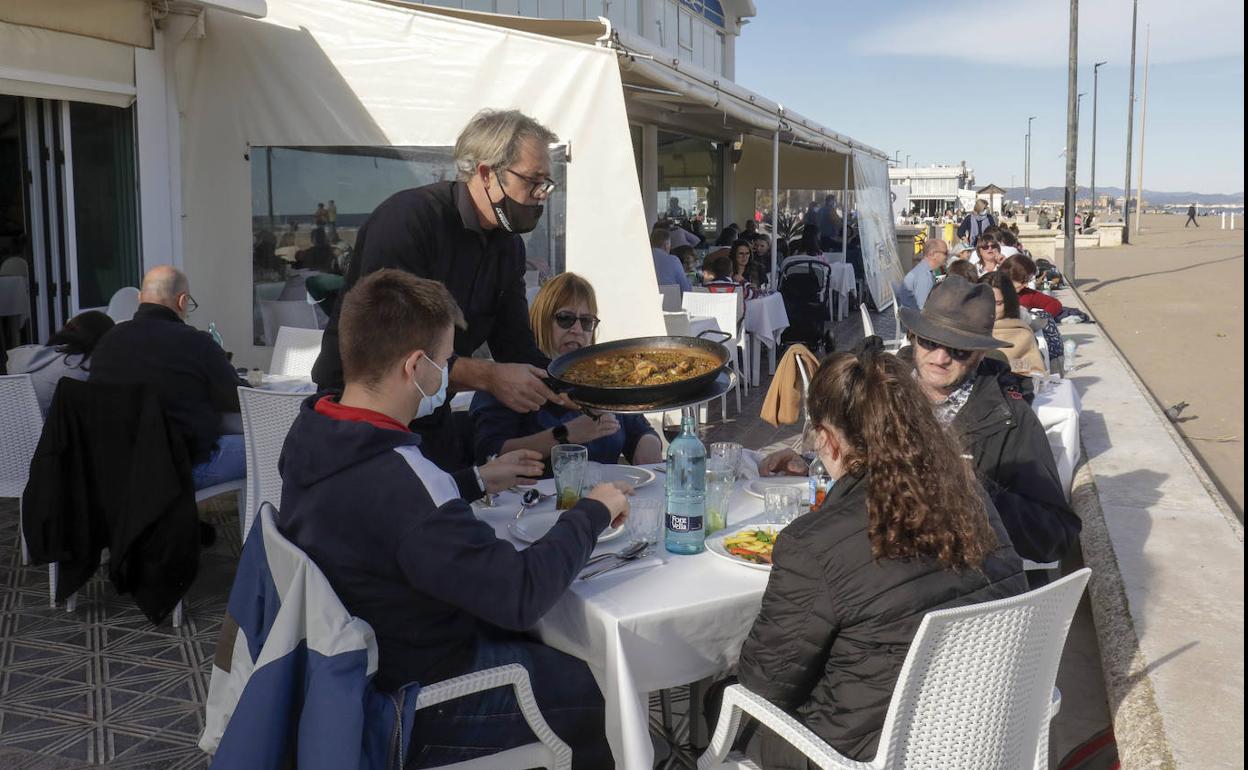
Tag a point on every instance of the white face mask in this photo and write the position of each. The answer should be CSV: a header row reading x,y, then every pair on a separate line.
x,y
430,403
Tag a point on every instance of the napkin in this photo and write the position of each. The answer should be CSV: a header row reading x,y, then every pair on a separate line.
x,y
747,466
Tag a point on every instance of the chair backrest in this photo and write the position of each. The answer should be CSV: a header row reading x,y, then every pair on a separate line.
x,y
671,296
1043,344
977,683
123,304
295,351
267,417
15,266
21,423
868,328
897,318
721,307
277,313
677,324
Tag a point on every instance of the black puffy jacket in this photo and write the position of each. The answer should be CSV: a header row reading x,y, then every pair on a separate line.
x,y
835,624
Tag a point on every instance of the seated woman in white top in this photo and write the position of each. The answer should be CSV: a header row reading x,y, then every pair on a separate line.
x,y
65,355
1024,352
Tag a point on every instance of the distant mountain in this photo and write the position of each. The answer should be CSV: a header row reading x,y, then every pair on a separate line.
x,y
1153,197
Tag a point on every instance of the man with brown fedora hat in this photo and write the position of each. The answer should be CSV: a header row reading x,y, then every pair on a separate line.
x,y
983,402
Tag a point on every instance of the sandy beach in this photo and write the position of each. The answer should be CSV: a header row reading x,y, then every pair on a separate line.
x,y
1173,301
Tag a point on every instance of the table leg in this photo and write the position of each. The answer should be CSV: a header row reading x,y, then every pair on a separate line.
x,y
698,737
771,352
755,355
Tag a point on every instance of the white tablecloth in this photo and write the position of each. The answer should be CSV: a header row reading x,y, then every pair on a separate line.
x,y
1057,405
649,629
840,284
765,320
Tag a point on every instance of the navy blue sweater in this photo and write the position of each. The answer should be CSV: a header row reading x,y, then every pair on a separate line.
x,y
404,551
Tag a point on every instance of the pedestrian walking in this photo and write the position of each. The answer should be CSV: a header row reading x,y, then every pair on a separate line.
x,y
1191,217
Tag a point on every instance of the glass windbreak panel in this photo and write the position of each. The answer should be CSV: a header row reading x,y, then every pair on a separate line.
x,y
106,218
796,210
691,182
308,203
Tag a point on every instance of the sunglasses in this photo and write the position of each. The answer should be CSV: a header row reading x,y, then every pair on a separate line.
x,y
989,247
957,354
566,319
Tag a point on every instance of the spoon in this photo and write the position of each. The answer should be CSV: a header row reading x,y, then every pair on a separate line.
x,y
626,554
530,498
632,553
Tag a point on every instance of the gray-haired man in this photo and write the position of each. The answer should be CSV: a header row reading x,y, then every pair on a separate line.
x,y
464,234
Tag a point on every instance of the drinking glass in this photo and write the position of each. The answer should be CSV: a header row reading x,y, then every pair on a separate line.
x,y
781,504
645,520
568,462
720,481
730,452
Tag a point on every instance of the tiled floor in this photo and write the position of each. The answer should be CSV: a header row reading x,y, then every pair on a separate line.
x,y
104,687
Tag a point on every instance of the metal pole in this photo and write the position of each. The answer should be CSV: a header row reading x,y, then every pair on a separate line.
x,y
845,208
1072,141
775,201
1095,82
1139,182
1126,185
1027,199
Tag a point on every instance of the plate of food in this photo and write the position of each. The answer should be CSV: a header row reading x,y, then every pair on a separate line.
x,y
749,546
758,487
534,525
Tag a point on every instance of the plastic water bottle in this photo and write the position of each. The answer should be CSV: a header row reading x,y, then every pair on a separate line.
x,y
686,491
216,335
1069,348
820,482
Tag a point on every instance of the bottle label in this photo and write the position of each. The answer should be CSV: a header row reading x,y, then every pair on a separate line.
x,y
684,523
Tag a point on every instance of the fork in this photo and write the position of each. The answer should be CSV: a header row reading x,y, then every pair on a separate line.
x,y
621,561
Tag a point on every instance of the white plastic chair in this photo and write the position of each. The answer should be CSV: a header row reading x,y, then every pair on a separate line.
x,y
276,313
267,417
21,423
976,691
549,751
671,296
1043,344
724,308
868,327
295,351
123,304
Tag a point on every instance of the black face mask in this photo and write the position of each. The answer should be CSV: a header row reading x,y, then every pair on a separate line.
x,y
515,217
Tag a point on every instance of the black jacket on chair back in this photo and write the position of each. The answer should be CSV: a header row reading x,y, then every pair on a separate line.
x,y
836,624
109,472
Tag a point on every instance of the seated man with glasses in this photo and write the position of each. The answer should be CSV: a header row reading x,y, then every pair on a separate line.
x,y
563,318
982,401
465,234
191,374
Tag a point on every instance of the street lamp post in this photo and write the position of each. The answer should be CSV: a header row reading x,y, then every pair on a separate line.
x,y
1072,142
1078,110
1092,188
1126,185
1027,174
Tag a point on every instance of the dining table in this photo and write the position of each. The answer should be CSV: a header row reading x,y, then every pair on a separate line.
x,y
662,621
765,322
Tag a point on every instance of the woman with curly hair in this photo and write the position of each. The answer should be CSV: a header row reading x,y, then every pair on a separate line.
x,y
906,529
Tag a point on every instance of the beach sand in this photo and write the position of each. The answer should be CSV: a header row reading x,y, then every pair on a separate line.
x,y
1173,301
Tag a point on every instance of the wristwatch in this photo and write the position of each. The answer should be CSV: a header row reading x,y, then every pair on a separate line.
x,y
560,432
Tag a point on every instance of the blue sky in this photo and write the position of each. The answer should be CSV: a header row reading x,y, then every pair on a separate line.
x,y
953,81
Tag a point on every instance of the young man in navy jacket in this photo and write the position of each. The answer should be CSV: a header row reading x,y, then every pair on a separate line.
x,y
399,543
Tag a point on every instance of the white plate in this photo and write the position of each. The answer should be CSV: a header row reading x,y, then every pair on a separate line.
x,y
758,486
534,525
715,544
637,476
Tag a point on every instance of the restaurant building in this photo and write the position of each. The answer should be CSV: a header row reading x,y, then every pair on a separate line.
x,y
932,189
210,134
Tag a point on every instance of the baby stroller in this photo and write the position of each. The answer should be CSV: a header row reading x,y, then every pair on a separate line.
x,y
804,287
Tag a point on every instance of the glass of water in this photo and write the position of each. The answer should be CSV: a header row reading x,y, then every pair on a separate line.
x,y
782,504
729,452
645,520
569,462
721,479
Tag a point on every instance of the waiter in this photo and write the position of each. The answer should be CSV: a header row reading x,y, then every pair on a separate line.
x,y
464,234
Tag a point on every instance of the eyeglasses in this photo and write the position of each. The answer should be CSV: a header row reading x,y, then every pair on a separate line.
x,y
565,320
191,304
957,354
538,188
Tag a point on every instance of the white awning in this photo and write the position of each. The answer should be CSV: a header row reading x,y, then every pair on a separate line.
x,y
45,64
117,21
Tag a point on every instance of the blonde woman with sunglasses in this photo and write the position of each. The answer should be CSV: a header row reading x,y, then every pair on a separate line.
x,y
564,317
